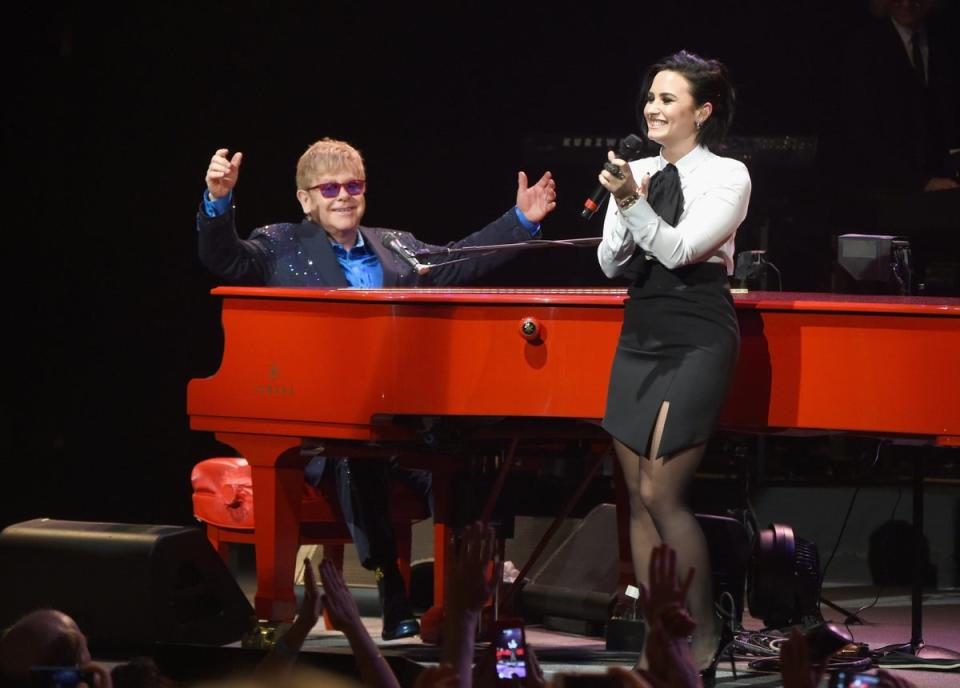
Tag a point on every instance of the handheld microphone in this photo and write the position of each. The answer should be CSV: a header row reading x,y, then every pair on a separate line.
x,y
392,242
629,149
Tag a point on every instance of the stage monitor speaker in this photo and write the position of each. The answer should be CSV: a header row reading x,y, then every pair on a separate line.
x,y
127,586
580,579
575,589
876,263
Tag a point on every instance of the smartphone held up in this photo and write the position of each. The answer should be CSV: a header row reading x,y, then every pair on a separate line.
x,y
511,653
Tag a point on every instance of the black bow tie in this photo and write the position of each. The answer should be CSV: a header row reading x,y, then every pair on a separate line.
x,y
665,195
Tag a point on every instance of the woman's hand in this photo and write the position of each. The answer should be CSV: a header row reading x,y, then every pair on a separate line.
x,y
617,178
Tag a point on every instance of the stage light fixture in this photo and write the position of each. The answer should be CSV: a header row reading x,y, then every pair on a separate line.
x,y
783,578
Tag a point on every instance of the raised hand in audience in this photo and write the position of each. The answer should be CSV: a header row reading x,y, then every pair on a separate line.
x,y
345,617
342,609
469,587
283,656
338,601
669,657
669,624
485,673
664,588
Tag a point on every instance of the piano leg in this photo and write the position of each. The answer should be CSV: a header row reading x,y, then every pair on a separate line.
x,y
277,473
443,531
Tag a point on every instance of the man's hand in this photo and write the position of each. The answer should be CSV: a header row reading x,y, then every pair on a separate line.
x,y
537,201
222,173
337,600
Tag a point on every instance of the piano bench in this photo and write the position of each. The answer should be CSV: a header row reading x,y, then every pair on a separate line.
x,y
223,500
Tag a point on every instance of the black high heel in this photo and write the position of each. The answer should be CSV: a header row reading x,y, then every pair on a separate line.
x,y
708,676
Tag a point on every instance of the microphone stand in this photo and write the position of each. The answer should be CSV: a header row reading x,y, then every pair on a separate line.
x,y
468,251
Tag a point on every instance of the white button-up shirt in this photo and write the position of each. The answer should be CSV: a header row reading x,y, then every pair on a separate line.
x,y
716,192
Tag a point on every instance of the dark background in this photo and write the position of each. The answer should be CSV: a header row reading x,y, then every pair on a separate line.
x,y
110,118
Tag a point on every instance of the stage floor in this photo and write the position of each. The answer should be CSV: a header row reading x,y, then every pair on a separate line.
x,y
887,622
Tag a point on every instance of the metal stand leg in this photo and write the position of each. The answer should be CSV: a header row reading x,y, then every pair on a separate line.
x,y
851,617
916,646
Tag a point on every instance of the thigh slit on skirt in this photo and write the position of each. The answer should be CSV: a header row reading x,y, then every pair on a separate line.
x,y
678,344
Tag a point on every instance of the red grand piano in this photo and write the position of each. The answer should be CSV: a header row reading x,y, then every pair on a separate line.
x,y
338,367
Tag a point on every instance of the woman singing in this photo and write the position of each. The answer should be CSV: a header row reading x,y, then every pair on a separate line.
x,y
669,229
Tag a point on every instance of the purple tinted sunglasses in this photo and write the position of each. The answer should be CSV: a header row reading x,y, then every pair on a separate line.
x,y
354,187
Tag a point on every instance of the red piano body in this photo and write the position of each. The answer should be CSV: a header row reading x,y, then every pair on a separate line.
x,y
339,364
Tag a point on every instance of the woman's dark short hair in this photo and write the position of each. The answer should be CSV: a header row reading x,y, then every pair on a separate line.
x,y
709,83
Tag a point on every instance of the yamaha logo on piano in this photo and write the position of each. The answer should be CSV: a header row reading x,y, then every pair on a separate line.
x,y
273,389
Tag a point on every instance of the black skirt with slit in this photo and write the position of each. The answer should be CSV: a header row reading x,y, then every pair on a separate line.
x,y
679,343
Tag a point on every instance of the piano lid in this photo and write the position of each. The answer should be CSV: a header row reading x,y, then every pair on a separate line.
x,y
612,297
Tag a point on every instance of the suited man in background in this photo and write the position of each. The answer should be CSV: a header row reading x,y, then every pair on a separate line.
x,y
896,111
887,130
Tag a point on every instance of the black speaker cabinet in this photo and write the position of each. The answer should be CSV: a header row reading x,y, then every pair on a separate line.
x,y
127,586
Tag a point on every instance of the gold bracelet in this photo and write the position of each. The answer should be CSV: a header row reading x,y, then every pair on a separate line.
x,y
628,201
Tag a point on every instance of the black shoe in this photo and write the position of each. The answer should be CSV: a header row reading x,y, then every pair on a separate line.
x,y
398,618
395,609
404,629
708,676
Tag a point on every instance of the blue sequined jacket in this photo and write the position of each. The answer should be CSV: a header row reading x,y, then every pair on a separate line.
x,y
300,255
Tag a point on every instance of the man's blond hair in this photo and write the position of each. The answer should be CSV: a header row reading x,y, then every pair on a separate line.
x,y
327,155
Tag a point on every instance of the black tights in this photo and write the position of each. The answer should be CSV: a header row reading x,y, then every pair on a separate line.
x,y
658,513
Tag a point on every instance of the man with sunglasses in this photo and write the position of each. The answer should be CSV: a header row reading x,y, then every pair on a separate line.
x,y
330,248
